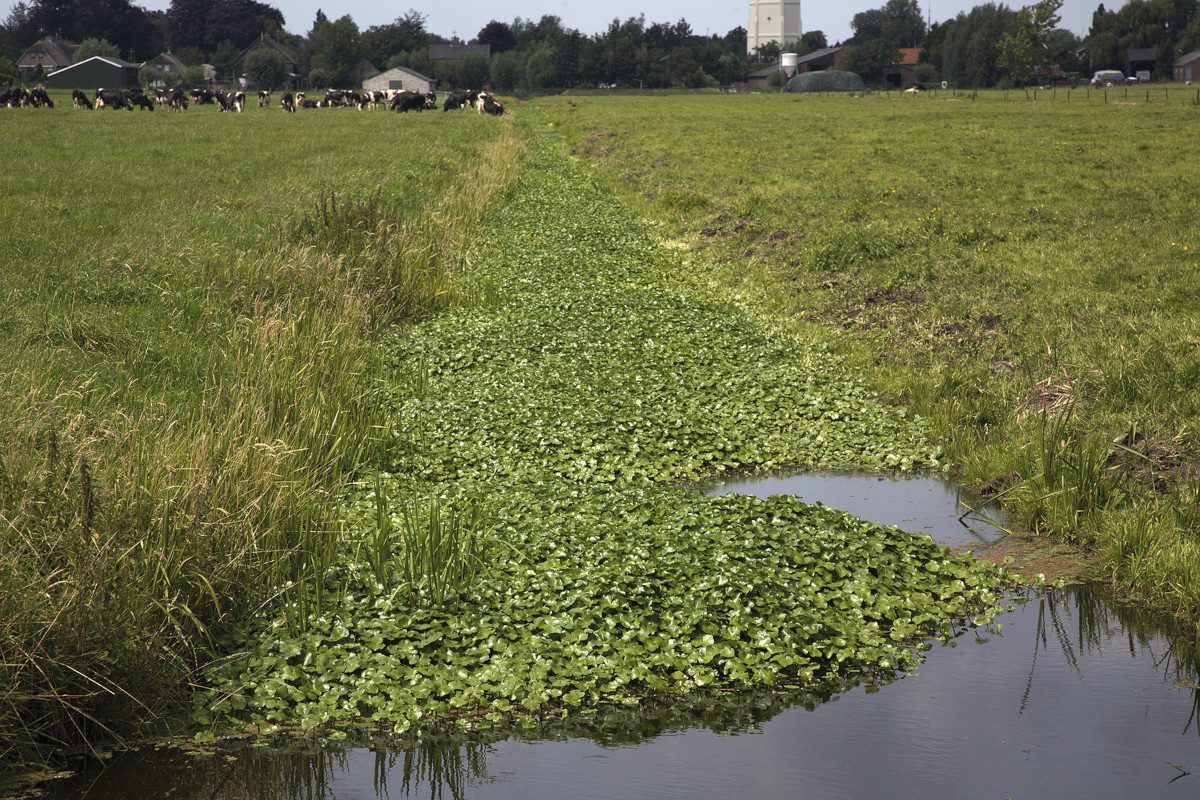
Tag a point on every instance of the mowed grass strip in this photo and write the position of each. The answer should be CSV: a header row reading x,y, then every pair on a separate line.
x,y
1021,273
187,355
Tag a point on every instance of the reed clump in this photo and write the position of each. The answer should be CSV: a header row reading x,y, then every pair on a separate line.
x,y
137,533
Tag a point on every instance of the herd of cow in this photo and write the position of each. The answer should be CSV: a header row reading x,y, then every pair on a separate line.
x,y
235,101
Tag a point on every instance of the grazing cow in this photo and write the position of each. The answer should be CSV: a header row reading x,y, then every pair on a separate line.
x,y
237,101
14,97
455,101
487,104
334,97
287,102
407,101
138,99
162,97
264,98
177,100
112,98
39,98
203,96
374,99
80,100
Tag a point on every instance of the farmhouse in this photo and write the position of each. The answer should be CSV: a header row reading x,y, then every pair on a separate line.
x,y
397,79
165,65
1187,67
364,69
94,73
48,55
266,41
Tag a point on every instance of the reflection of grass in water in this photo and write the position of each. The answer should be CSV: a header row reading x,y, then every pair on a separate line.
x,y
1097,620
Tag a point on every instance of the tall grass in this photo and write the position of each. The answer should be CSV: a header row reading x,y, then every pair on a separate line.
x,y
134,538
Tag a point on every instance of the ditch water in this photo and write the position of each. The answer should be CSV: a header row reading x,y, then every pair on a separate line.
x,y
1075,697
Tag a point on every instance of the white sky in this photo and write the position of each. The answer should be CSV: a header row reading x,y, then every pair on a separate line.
x,y
465,17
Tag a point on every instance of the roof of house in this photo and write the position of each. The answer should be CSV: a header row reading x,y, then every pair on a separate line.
x,y
453,52
766,73
60,50
167,60
1187,58
111,60
817,55
406,71
909,56
267,40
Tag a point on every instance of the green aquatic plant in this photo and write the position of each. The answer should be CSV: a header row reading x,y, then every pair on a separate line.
x,y
577,403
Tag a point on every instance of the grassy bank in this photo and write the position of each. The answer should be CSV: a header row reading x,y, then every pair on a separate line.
x,y
1021,273
189,369
526,548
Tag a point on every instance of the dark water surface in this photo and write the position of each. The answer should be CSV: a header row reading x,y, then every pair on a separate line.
x,y
916,503
1074,698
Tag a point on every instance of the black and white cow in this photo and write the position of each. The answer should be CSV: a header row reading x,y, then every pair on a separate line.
x,y
14,97
138,99
410,101
485,103
455,101
374,99
80,100
112,98
203,96
177,100
39,98
287,102
264,98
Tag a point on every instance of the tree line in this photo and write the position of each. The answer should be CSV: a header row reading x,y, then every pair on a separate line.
x,y
990,45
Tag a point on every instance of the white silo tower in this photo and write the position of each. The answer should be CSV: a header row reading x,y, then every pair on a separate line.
x,y
773,21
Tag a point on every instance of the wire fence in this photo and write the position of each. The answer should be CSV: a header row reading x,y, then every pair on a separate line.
x,y
1142,95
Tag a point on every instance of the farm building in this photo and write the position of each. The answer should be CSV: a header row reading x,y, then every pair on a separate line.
x,y
761,79
903,71
1141,63
457,52
1187,67
48,54
820,60
398,79
94,73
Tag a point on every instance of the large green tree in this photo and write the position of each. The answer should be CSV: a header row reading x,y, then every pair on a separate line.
x,y
333,49
266,69
1026,51
96,47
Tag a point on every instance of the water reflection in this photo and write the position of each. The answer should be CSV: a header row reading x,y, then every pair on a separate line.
x,y
915,503
1075,696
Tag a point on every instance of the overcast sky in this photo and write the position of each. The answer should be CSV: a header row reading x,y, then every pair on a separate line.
x,y
465,17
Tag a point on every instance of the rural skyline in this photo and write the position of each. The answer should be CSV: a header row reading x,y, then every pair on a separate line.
x,y
465,19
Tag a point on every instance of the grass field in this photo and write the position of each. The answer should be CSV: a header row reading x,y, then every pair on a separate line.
x,y
1023,273
212,323
187,326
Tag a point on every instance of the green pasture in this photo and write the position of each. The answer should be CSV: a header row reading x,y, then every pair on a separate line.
x,y
188,315
1020,271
